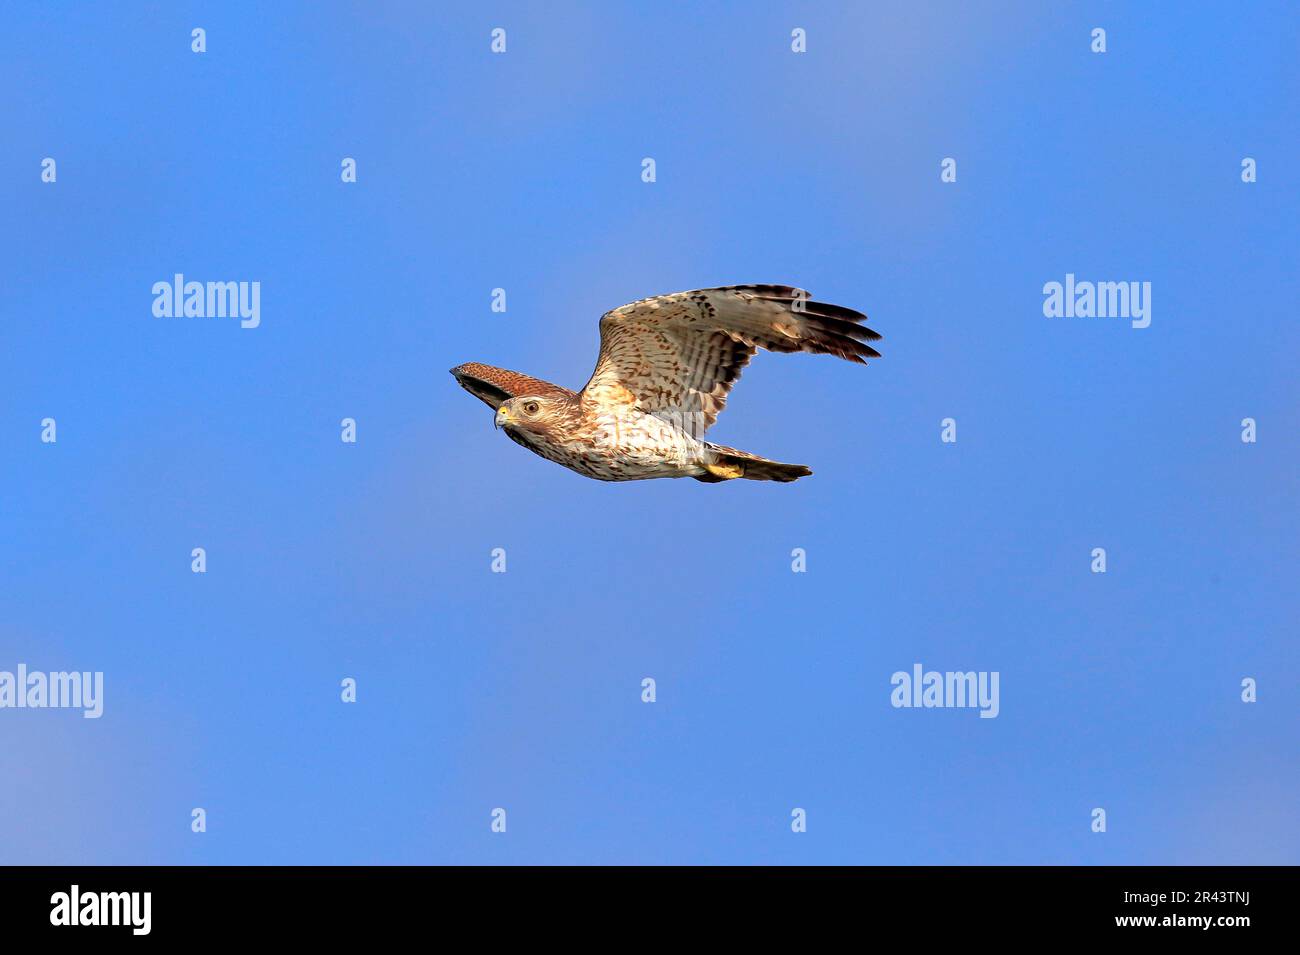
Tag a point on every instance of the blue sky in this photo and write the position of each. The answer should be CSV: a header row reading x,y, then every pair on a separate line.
x,y
523,690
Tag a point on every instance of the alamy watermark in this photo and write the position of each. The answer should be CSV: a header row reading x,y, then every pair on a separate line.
x,y
181,299
1071,299
950,689
57,690
75,907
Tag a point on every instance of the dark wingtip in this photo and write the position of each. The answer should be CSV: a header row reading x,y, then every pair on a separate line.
x,y
843,329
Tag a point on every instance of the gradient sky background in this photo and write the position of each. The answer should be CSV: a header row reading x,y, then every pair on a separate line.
x,y
479,690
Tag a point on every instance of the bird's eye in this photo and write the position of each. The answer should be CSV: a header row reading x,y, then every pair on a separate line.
x,y
530,407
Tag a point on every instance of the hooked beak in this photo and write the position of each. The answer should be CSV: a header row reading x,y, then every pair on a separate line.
x,y
502,418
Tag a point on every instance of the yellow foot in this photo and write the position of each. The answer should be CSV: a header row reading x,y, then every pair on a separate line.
x,y
725,472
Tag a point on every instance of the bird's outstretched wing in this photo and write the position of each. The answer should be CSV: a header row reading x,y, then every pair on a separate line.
x,y
493,386
682,353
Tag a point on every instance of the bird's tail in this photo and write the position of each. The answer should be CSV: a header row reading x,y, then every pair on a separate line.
x,y
730,464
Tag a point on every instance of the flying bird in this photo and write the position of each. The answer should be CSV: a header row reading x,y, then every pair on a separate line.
x,y
665,368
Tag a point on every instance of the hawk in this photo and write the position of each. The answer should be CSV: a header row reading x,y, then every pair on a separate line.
x,y
665,368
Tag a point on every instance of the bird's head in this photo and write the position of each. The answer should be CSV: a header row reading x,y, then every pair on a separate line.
x,y
528,414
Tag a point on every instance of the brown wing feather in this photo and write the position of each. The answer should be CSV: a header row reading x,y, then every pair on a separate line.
x,y
683,352
493,386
